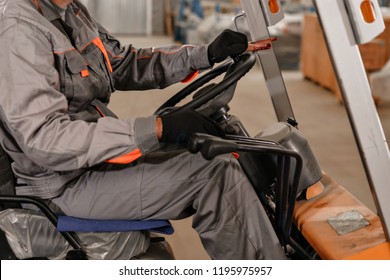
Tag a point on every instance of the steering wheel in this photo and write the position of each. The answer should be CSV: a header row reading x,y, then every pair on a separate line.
x,y
235,70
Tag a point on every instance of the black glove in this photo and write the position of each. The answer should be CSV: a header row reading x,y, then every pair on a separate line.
x,y
178,127
228,43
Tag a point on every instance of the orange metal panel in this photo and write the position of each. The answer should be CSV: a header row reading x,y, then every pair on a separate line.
x,y
311,216
380,252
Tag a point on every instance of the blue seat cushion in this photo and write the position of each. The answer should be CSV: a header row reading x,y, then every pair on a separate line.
x,y
67,223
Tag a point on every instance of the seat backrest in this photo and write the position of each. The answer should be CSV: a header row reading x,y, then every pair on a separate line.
x,y
7,183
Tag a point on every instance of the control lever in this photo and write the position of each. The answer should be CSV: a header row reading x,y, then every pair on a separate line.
x,y
255,46
210,146
196,141
214,147
261,45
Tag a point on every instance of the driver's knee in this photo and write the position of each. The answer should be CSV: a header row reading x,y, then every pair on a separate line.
x,y
225,174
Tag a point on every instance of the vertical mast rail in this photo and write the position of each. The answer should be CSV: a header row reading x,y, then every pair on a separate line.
x,y
259,16
343,29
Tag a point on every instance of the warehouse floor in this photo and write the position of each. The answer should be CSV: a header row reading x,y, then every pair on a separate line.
x,y
320,116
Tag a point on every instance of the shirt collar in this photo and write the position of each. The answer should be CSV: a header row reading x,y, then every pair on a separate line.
x,y
50,11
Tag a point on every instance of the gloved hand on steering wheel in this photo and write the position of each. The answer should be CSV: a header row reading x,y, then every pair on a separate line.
x,y
177,127
228,43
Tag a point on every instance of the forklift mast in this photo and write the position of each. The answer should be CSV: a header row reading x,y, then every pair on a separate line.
x,y
345,24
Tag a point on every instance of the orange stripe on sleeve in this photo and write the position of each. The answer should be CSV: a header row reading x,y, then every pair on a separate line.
x,y
190,77
127,158
236,155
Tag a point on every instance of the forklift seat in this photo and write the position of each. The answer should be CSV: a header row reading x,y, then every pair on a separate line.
x,y
10,207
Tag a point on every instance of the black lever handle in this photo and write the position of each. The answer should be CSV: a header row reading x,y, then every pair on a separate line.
x,y
196,142
214,147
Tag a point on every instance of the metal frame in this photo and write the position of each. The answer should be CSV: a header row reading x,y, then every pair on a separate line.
x,y
69,236
341,38
289,163
343,30
257,20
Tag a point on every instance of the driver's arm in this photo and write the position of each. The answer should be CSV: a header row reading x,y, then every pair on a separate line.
x,y
148,68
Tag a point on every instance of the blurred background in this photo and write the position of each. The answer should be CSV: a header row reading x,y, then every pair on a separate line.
x,y
305,65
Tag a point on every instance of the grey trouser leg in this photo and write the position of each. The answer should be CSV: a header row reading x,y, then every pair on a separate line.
x,y
227,214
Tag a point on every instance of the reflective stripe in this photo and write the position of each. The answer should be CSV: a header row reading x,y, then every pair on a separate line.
x,y
100,111
127,158
236,155
190,77
101,47
38,6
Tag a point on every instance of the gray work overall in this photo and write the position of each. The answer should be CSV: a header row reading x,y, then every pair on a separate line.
x,y
57,74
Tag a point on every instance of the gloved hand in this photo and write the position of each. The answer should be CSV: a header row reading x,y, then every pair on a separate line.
x,y
177,127
228,43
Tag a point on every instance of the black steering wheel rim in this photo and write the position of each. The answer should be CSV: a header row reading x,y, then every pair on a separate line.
x,y
235,70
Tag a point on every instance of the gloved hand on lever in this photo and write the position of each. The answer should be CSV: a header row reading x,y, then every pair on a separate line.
x,y
228,43
231,43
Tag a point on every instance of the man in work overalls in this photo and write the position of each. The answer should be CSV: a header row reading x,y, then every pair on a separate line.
x,y
57,72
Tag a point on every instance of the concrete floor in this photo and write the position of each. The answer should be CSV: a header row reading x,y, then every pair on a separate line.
x,y
321,118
